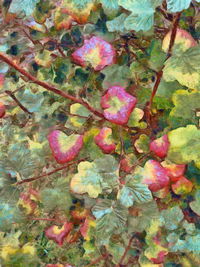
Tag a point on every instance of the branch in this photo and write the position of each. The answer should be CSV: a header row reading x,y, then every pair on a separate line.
x,y
48,86
18,102
48,173
103,257
169,54
125,252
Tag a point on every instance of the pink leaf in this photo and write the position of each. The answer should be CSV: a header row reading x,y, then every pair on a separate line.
x,y
97,52
65,148
182,186
160,146
174,171
155,176
104,140
118,105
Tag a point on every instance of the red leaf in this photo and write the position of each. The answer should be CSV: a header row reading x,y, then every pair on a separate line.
x,y
58,234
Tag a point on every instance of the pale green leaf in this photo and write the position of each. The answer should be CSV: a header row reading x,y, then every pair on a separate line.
x,y
177,5
142,15
184,68
134,191
110,7
117,24
185,105
195,205
111,218
172,217
31,101
185,149
95,177
26,6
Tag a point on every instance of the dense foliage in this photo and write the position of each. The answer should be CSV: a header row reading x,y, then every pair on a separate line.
x,y
99,137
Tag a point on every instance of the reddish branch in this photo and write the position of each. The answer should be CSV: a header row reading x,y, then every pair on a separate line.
x,y
48,86
49,173
17,102
125,252
103,257
169,54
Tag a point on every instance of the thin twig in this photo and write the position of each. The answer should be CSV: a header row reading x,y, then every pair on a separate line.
x,y
60,51
18,102
48,173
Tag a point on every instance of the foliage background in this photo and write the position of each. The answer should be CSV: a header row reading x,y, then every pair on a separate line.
x,y
113,209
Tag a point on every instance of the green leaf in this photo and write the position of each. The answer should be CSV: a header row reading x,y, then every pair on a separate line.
x,y
18,161
94,177
79,4
184,68
185,149
111,218
117,24
110,7
134,191
26,6
157,56
142,143
142,216
172,217
188,245
56,198
177,5
195,205
9,214
166,89
121,73
186,104
135,118
79,110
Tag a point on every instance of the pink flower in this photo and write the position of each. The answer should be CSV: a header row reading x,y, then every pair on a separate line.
x,y
97,52
118,105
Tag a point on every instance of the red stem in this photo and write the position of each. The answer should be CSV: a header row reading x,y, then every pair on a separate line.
x,y
49,173
49,87
125,252
97,260
169,54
